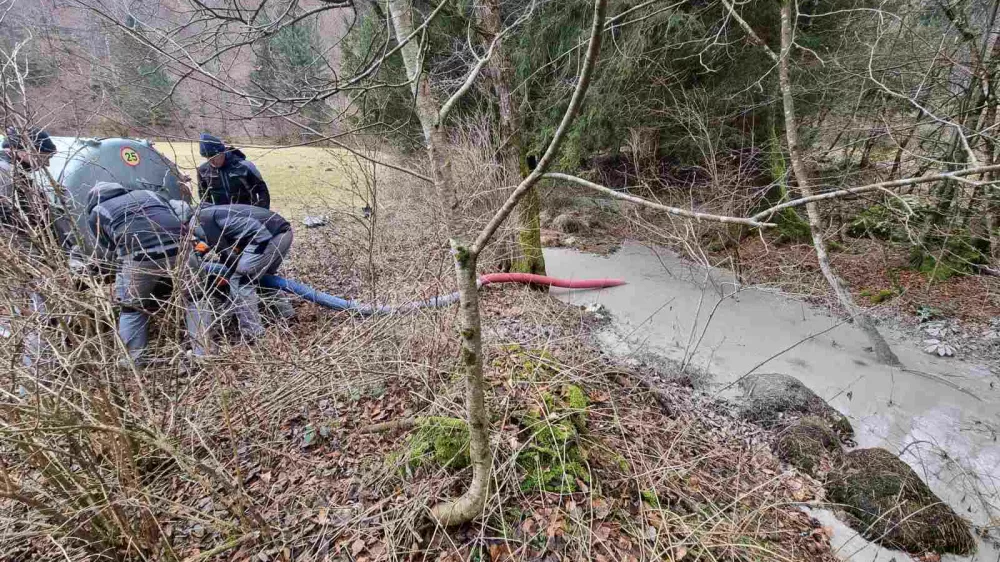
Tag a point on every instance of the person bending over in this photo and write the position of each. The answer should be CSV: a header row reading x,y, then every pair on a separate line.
x,y
142,233
253,242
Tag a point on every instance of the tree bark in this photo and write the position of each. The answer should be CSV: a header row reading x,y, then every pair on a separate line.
x,y
513,150
882,350
470,504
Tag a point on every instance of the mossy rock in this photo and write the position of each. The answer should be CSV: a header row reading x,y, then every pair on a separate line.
x,y
806,442
894,507
961,255
553,459
443,441
771,399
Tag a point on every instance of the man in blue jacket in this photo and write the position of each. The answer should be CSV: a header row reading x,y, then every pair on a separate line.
x,y
228,178
143,233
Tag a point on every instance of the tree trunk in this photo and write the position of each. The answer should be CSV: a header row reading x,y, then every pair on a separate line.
x,y
470,504
881,348
513,150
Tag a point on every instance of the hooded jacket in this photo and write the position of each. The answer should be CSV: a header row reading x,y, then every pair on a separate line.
x,y
135,224
15,188
226,228
236,182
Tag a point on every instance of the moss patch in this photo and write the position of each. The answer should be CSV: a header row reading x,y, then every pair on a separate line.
x,y
894,507
526,365
553,459
773,399
442,441
809,445
958,255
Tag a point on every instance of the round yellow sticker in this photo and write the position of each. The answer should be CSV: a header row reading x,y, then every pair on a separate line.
x,y
130,156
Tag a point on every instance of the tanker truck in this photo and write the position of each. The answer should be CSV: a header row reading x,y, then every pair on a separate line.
x,y
82,162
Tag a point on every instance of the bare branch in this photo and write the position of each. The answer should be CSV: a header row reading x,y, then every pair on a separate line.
x,y
653,205
754,38
875,186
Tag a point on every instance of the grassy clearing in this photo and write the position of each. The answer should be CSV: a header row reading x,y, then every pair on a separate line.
x,y
299,178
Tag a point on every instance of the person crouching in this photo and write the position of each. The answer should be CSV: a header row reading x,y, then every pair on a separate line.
x,y
143,234
252,241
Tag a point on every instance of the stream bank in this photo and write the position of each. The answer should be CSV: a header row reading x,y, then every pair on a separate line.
x,y
940,415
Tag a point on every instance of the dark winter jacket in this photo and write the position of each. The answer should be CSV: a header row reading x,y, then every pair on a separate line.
x,y
17,191
237,182
229,229
135,224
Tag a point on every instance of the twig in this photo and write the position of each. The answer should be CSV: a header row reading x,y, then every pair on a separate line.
x,y
874,186
226,546
647,203
405,423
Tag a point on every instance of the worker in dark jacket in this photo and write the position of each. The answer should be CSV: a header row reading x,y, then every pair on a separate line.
x,y
228,178
143,233
21,202
23,211
253,242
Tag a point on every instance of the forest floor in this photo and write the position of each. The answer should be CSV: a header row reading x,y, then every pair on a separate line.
x,y
593,460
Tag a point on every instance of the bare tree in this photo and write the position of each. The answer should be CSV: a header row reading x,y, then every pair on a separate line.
x,y
433,118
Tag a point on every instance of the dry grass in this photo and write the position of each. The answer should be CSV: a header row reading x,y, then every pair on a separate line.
x,y
261,452
298,177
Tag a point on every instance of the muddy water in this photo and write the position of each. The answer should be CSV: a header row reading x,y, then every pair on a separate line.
x,y
941,415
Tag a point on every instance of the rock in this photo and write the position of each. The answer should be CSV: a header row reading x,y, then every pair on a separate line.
x,y
569,241
545,218
891,505
809,445
771,399
568,224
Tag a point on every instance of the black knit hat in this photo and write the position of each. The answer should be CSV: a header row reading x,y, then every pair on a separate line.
x,y
39,139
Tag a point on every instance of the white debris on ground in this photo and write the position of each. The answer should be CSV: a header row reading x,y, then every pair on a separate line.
x,y
313,221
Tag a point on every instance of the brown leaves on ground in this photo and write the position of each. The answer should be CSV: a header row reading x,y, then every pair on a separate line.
x,y
869,267
281,422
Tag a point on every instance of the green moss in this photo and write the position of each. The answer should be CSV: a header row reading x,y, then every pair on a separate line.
x,y
462,256
529,237
528,365
891,505
882,296
650,497
553,459
443,441
958,255
792,227
575,397
806,442
876,221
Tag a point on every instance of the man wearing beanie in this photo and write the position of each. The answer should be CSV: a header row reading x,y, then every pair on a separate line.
x,y
228,178
24,152
24,215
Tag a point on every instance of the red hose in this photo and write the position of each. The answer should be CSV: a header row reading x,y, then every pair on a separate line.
x,y
490,278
